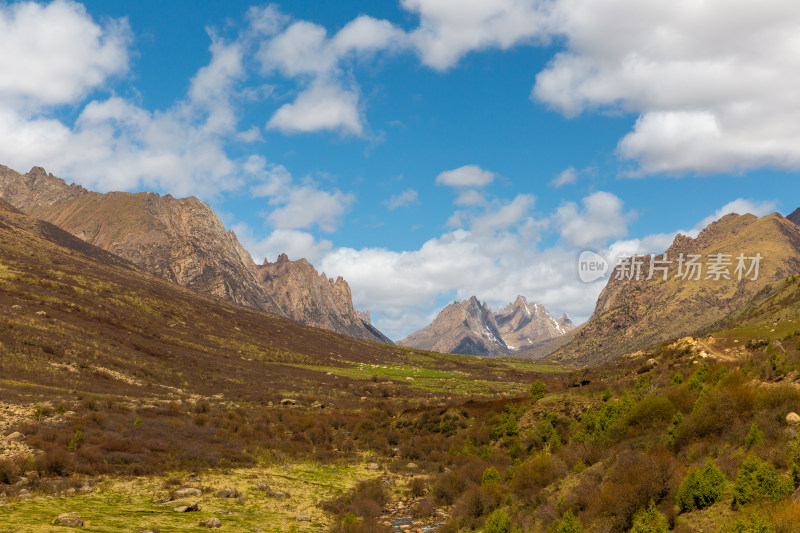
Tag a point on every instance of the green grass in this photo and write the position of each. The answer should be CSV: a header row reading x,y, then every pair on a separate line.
x,y
130,504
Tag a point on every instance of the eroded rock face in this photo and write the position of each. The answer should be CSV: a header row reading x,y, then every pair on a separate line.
x,y
312,298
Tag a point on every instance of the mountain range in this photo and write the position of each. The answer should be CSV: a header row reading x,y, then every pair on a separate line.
x,y
470,327
182,240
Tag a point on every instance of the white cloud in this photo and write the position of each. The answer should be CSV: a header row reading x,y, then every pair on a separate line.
x,y
567,176
307,206
296,206
115,144
304,50
294,243
602,218
714,83
405,198
450,29
470,197
466,176
323,106
56,53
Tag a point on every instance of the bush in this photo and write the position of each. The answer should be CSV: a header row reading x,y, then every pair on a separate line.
x,y
701,488
650,520
498,522
757,481
754,436
752,524
569,524
537,391
490,476
8,472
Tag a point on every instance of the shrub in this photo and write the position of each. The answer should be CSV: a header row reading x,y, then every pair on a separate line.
x,y
754,436
8,472
490,476
76,441
537,391
752,524
498,522
650,520
701,488
699,377
54,462
569,524
756,481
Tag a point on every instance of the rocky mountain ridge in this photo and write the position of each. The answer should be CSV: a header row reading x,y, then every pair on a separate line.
x,y
470,327
631,314
181,240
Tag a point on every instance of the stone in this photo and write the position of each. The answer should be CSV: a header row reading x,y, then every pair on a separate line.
x,y
42,314
186,508
68,519
262,485
225,512
372,466
793,419
412,465
15,437
227,492
187,492
303,518
86,489
210,522
288,402
278,495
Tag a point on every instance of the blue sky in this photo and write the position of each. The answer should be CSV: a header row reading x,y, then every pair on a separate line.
x,y
426,150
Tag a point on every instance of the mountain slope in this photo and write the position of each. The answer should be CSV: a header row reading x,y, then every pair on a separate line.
x,y
76,317
794,216
466,327
632,314
524,324
181,240
315,300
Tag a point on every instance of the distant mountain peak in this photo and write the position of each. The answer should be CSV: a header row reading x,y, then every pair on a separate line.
x,y
470,327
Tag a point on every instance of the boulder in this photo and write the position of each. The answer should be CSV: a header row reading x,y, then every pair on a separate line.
x,y
372,466
210,523
186,508
278,495
187,492
227,492
15,437
303,518
68,519
288,401
793,419
262,485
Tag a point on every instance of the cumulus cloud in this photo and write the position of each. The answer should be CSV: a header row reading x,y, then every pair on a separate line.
x,y
294,243
323,106
448,30
602,218
405,198
714,83
466,176
303,50
56,53
114,143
